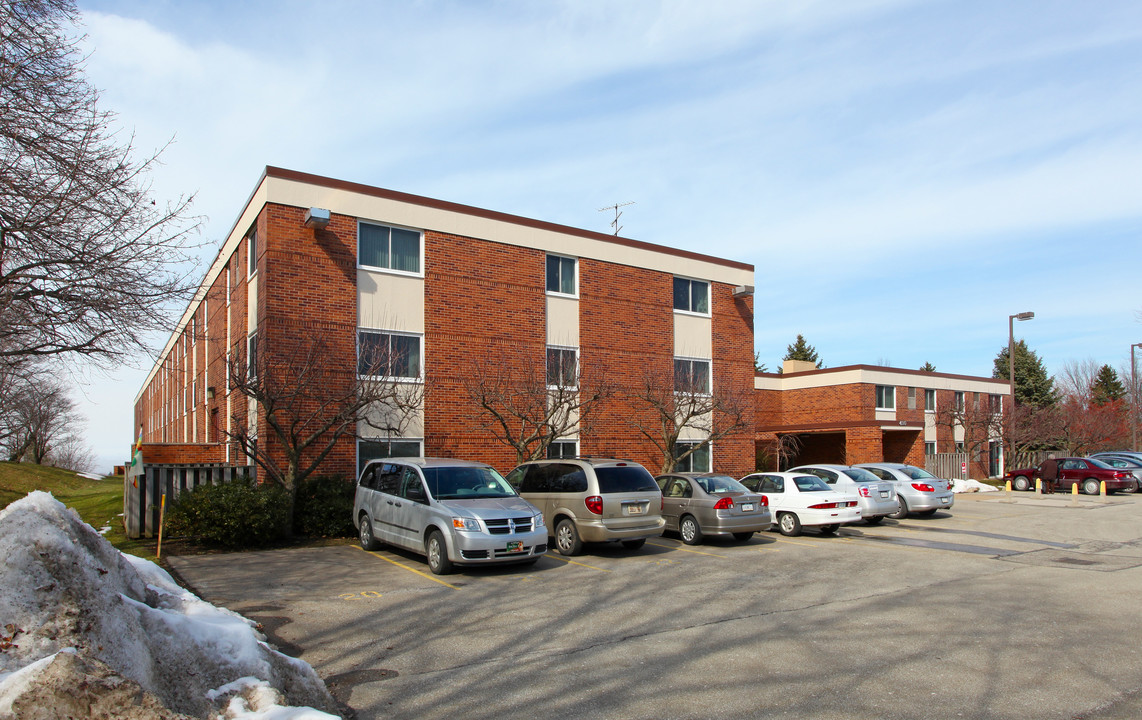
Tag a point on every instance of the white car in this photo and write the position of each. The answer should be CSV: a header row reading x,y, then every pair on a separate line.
x,y
877,499
797,500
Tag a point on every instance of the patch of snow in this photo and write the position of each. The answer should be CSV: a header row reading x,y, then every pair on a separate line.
x,y
64,586
969,486
90,475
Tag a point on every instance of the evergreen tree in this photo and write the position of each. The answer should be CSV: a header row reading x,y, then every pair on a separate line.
x,y
1106,387
1033,386
928,367
801,350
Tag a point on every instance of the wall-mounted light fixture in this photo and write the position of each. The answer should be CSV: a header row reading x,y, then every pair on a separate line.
x,y
743,291
316,218
210,393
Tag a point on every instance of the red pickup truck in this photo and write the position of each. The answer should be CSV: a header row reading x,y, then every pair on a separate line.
x,y
1087,473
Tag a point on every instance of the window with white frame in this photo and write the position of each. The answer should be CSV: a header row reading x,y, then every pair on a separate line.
x,y
692,376
697,461
388,354
959,447
930,400
885,397
995,404
252,246
563,449
562,367
911,398
930,447
388,248
562,277
958,401
692,296
252,356
377,448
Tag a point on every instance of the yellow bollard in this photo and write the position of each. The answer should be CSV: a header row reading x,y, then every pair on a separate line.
x,y
1007,487
1102,488
1075,489
1038,486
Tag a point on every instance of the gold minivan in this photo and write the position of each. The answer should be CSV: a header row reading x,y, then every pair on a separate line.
x,y
592,500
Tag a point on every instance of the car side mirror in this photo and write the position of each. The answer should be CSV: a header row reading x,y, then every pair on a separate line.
x,y
416,494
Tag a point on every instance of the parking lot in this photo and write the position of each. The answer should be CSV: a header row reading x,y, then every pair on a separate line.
x,y
1013,606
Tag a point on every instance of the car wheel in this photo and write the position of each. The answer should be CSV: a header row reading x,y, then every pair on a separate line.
x,y
437,553
926,513
874,520
902,512
743,537
829,529
368,542
634,544
1090,486
1021,483
567,540
789,524
689,530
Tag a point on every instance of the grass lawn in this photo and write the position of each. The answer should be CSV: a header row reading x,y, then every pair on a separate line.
x,y
98,502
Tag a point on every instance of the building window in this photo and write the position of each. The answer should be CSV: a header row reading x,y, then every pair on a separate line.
x,y
388,355
692,296
930,448
385,448
252,245
692,376
995,404
561,275
697,461
930,400
885,397
911,398
388,248
252,356
959,447
958,400
563,449
562,367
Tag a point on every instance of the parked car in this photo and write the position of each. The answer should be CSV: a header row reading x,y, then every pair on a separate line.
x,y
1087,473
1132,455
877,499
917,490
1122,462
454,512
799,500
592,500
701,504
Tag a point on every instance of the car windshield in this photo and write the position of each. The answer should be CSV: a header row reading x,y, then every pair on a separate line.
x,y
810,483
624,479
916,473
715,484
860,475
1099,463
466,483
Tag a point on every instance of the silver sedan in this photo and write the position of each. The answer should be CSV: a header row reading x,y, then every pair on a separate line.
x,y
700,504
918,490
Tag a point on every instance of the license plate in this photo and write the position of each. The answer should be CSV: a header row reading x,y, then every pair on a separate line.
x,y
944,500
747,507
883,494
634,509
515,546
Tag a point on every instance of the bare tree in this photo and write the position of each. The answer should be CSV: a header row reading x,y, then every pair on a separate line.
x,y
39,416
308,399
682,405
980,421
89,263
1077,378
527,405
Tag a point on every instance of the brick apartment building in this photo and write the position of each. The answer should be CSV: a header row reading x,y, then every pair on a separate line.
x,y
866,413
361,266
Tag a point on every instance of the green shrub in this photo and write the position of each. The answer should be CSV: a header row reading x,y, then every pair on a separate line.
x,y
324,507
233,514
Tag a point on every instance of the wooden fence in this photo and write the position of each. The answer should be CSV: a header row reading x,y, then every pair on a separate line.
x,y
947,465
144,486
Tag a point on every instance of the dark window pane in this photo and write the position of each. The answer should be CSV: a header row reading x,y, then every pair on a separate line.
x,y
405,356
681,294
373,245
631,478
567,276
699,297
405,250
552,273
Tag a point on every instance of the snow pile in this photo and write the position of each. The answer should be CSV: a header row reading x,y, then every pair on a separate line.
x,y
970,486
86,627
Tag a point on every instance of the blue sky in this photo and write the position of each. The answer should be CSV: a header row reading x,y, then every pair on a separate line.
x,y
903,174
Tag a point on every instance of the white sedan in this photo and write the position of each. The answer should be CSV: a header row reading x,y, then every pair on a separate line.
x,y
797,500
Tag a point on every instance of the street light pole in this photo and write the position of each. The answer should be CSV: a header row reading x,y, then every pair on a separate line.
x,y
1133,402
1011,373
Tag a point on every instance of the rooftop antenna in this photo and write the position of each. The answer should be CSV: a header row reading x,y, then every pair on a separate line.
x,y
615,207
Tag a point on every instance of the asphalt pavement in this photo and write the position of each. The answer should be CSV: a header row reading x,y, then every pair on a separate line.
x,y
1010,606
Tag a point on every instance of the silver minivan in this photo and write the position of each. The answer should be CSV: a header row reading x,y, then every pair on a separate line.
x,y
592,500
451,511
877,498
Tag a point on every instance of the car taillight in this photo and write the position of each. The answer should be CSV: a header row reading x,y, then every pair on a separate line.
x,y
923,487
724,504
764,501
594,504
824,506
850,503
864,491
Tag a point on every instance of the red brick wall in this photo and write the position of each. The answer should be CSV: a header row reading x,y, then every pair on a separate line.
x,y
180,453
733,371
